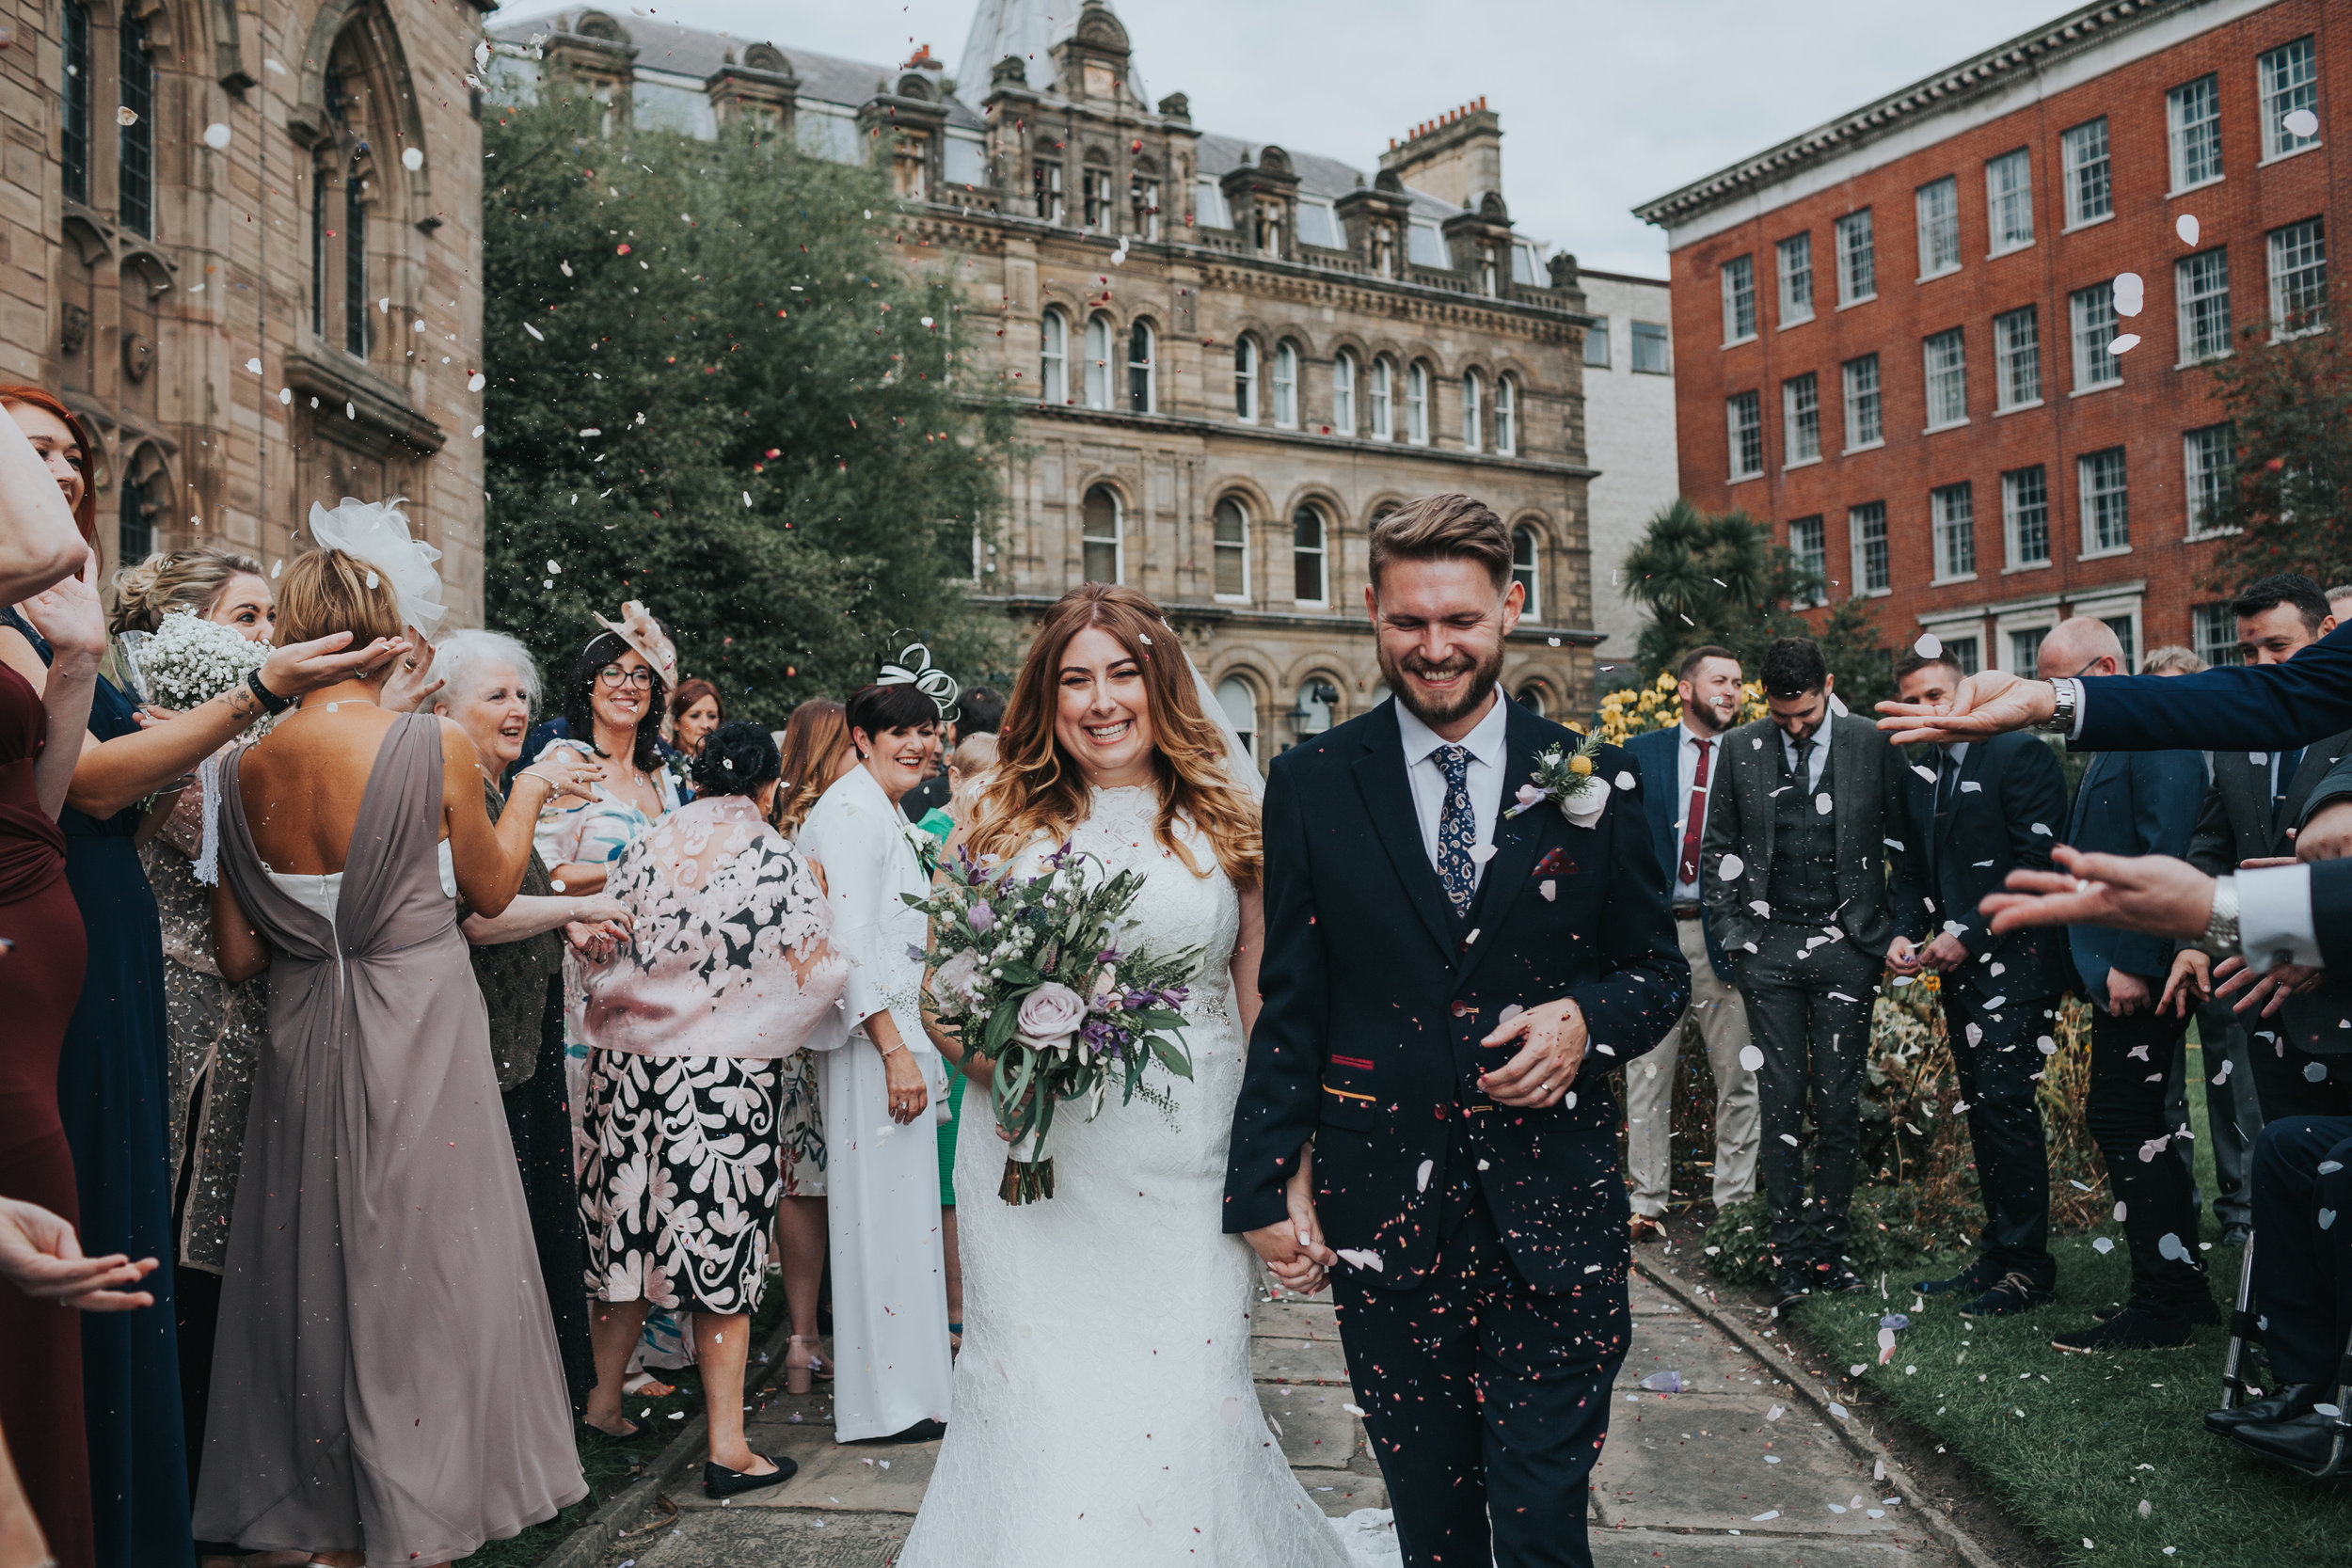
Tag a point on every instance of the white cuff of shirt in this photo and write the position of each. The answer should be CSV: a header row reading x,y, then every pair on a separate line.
x,y
2274,917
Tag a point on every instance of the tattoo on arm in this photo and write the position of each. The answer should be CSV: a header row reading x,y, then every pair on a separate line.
x,y
244,705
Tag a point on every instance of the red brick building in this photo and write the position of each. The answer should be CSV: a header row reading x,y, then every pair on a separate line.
x,y
1896,331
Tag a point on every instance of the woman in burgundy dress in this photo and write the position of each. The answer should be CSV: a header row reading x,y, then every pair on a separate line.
x,y
45,565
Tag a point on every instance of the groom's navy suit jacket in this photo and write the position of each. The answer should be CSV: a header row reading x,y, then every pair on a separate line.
x,y
1376,995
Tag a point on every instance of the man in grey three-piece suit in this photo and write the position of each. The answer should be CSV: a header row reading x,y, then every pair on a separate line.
x,y
1800,820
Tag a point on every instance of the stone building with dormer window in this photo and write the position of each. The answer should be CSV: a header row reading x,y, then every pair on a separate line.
x,y
1231,358
246,251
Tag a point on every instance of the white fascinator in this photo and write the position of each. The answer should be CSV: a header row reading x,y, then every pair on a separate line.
x,y
377,533
913,667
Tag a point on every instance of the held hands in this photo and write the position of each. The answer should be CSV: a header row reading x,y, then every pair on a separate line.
x,y
1292,1247
40,1255
1990,702
2127,993
1551,1039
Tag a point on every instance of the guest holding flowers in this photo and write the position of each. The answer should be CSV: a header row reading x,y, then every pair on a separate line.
x,y
489,686
727,973
889,1290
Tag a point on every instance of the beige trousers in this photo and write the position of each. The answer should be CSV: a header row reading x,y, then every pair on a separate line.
x,y
1722,1017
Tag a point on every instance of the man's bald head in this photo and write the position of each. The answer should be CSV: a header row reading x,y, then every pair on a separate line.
x,y
2081,645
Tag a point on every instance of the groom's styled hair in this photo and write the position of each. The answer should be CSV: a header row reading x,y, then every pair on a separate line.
x,y
1443,528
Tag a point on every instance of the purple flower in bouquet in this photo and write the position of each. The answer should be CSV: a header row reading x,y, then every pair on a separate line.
x,y
983,918
1050,1015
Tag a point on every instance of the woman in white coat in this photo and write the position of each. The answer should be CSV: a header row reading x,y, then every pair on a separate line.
x,y
890,1346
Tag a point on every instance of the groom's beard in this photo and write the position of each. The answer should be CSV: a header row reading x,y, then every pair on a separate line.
x,y
1484,672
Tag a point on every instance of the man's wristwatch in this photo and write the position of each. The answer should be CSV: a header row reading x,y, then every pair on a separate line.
x,y
2064,698
271,701
2222,926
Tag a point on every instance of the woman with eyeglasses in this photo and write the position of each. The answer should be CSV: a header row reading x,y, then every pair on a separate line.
x,y
614,698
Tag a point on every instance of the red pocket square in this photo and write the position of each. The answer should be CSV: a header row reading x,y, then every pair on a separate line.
x,y
1555,864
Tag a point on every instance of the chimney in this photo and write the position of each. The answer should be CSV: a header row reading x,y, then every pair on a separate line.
x,y
1456,157
923,59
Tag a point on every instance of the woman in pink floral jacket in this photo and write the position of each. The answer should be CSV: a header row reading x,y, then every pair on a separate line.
x,y
727,973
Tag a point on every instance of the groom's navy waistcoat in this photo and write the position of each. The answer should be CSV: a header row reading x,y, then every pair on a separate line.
x,y
1376,994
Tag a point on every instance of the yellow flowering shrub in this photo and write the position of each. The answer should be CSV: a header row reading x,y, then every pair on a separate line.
x,y
1639,710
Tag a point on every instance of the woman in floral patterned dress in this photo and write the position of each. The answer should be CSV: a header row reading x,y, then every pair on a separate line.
x,y
727,973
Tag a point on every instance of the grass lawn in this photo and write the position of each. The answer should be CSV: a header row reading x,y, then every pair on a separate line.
x,y
2105,1456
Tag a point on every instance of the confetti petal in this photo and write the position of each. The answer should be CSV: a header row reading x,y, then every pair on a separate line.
x,y
217,136
1752,1057
1928,646
2300,122
412,159
1729,868
2124,344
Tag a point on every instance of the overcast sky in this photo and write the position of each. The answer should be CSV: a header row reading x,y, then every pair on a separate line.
x,y
1604,103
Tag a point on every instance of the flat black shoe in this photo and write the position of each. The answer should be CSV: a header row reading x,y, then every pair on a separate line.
x,y
2295,1400
1972,1280
2304,1442
921,1432
2133,1328
2012,1294
720,1481
1793,1287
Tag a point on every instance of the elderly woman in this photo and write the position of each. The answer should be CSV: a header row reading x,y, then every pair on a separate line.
x,y
489,686
728,972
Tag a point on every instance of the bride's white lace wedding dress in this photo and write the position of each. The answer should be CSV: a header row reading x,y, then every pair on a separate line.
x,y
1103,1410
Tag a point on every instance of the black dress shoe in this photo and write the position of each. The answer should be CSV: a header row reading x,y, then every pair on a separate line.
x,y
2305,1442
720,1481
2133,1328
2297,1399
1835,1279
1793,1286
1973,1280
2236,1235
2013,1292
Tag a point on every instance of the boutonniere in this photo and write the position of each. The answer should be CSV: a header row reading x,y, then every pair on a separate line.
x,y
1567,778
926,847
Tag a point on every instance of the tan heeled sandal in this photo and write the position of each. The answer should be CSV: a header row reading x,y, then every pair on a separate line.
x,y
799,1376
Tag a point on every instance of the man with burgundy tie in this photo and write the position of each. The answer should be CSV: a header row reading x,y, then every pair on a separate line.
x,y
1676,764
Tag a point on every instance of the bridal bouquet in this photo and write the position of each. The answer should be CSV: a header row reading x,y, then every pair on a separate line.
x,y
1030,970
188,661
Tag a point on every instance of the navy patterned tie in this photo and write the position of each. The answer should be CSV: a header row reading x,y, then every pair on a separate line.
x,y
1457,828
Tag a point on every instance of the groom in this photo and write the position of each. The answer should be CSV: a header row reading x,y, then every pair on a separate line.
x,y
1434,978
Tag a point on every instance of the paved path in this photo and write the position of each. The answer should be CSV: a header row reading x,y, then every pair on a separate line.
x,y
1709,1477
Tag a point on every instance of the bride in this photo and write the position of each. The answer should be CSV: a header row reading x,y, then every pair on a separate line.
x,y
1104,1408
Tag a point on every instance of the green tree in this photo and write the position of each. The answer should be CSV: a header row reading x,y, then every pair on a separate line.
x,y
2290,491
714,387
1720,578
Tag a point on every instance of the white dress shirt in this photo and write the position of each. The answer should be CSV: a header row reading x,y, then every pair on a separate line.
x,y
1813,755
1426,775
1686,779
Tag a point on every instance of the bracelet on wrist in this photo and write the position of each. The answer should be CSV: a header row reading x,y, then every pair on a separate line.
x,y
271,701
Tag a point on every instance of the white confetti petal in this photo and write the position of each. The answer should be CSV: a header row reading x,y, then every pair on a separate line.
x,y
2300,122
216,136
2168,1247
1928,646
2103,1245
2327,1218
1626,779
1482,854
1729,868
1421,1178
1752,1057
1822,805
1549,889
2124,344
477,382
2185,226
412,159
534,332
254,366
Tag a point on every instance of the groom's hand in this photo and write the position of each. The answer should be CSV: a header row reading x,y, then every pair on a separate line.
x,y
1551,1040
1293,1247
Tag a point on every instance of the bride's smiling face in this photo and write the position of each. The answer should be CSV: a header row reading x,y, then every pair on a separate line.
x,y
1103,718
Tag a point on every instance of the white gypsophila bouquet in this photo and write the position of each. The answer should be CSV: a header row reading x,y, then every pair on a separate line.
x,y
188,660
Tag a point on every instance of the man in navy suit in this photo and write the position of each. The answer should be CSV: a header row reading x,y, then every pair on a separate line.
x,y
1435,973
2135,803
1675,766
1979,810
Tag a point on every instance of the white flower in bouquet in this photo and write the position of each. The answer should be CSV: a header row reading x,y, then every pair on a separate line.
x,y
1050,1015
190,660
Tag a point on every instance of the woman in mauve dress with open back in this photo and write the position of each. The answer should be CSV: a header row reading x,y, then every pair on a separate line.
x,y
386,1385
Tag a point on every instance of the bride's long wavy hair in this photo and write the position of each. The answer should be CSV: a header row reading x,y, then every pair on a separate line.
x,y
1037,787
